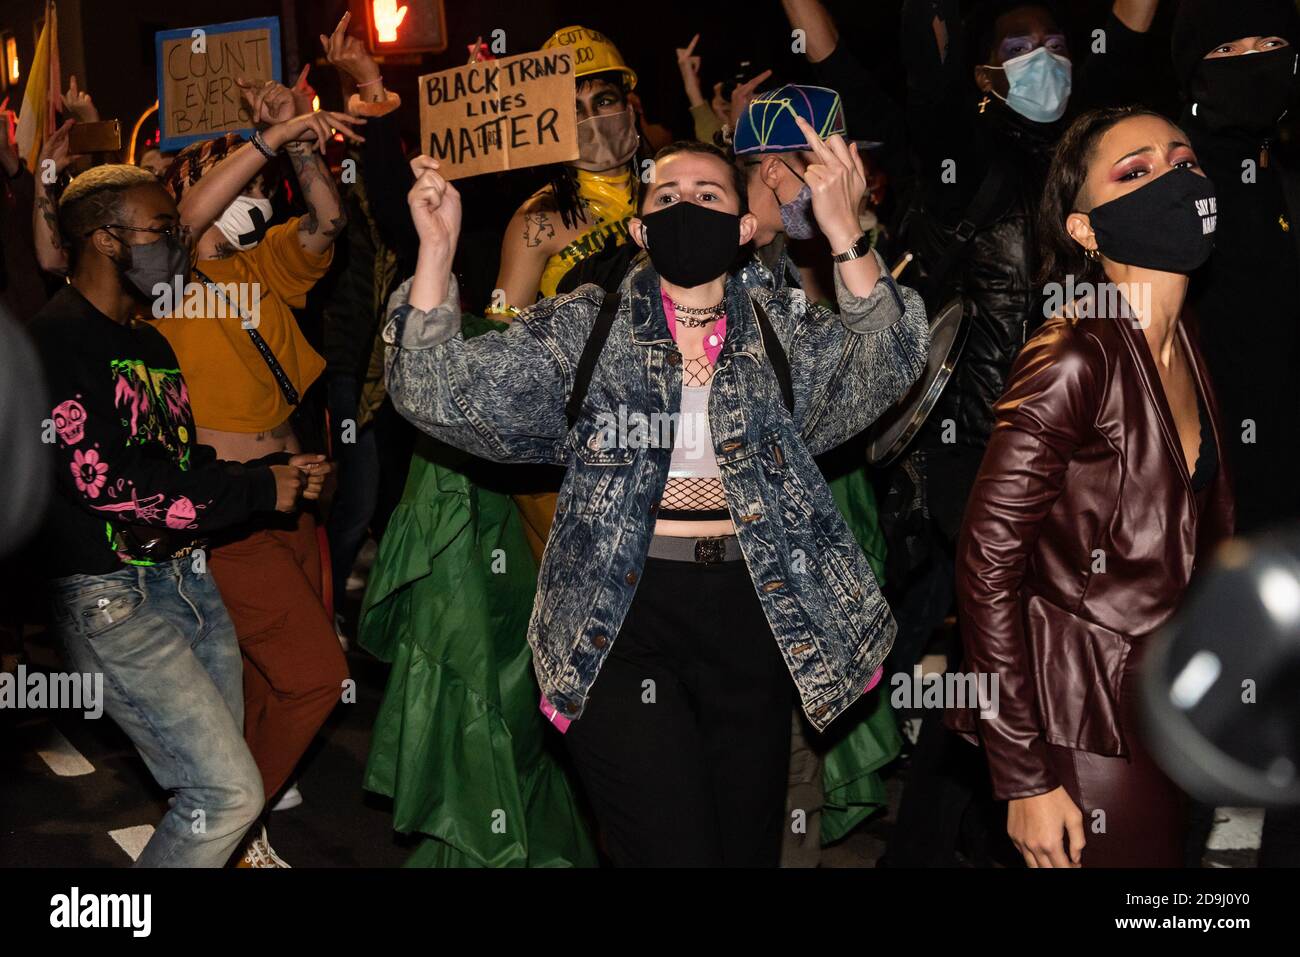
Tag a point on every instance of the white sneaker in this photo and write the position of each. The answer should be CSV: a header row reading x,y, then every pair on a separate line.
x,y
338,630
259,853
290,798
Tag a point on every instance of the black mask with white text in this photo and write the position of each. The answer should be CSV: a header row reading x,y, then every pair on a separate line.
x,y
1168,224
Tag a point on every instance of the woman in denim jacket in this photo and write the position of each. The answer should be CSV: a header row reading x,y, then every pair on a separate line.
x,y
697,562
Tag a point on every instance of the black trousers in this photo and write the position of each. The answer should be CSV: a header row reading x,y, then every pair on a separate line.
x,y
684,745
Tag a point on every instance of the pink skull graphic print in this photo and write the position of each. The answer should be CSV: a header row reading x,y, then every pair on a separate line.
x,y
70,421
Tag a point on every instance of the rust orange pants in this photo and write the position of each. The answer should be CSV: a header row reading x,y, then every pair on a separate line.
x,y
294,668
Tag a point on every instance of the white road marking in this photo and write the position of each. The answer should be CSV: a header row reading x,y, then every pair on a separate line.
x,y
132,839
1236,828
62,758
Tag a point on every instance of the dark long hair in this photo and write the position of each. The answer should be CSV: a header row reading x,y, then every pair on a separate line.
x,y
1059,255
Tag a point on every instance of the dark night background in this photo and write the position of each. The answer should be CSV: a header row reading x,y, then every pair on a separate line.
x,y
109,46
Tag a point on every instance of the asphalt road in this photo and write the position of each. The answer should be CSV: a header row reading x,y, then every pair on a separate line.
x,y
74,793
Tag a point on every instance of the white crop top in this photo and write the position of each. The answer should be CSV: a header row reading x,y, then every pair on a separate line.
x,y
693,455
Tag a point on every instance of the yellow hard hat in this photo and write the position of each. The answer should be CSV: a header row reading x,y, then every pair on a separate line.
x,y
593,52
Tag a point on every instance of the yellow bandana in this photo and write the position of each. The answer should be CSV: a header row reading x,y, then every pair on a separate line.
x,y
608,200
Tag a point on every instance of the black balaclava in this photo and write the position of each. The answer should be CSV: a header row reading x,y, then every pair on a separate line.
x,y
1243,95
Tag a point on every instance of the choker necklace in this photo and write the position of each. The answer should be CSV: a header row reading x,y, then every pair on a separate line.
x,y
698,316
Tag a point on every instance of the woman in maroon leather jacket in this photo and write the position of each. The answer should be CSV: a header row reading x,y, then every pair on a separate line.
x,y
1100,493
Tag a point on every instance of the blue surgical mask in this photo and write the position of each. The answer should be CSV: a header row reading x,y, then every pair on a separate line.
x,y
797,216
1038,84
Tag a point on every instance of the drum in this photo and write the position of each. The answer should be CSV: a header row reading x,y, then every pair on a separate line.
x,y
897,427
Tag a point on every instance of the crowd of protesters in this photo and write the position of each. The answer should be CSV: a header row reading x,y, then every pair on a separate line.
x,y
671,649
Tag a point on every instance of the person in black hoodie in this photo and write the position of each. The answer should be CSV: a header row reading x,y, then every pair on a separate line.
x,y
1237,65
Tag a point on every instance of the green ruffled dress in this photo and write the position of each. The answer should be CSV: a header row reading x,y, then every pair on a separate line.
x,y
459,744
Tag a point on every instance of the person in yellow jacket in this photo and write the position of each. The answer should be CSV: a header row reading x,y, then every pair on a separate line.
x,y
580,215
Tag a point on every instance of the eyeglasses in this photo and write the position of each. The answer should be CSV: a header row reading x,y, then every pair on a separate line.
x,y
179,232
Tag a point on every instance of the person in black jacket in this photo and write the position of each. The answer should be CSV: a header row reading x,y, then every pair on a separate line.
x,y
1237,65
123,544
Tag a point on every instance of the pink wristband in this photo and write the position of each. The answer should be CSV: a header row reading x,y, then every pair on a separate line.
x,y
378,79
553,715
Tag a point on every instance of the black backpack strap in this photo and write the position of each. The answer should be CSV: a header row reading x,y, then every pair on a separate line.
x,y
600,333
263,348
590,354
983,206
776,355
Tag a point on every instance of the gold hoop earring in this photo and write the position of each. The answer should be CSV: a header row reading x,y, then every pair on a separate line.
x,y
1093,254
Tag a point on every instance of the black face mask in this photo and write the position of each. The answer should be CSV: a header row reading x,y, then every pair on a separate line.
x,y
690,244
1244,94
1167,225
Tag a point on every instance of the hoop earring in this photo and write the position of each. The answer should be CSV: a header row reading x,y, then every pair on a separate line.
x,y
1093,254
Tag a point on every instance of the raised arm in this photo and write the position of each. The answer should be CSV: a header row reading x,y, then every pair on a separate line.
x,y
54,159
940,105
383,167
852,366
273,104
499,395
1137,15
812,17
869,111
325,218
1113,74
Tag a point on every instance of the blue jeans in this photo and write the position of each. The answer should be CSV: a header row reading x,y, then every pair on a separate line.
x,y
173,681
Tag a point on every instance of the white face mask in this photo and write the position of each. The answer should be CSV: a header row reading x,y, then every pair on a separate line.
x,y
245,221
1038,84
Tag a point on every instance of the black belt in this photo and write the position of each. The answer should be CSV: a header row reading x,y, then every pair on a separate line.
x,y
702,551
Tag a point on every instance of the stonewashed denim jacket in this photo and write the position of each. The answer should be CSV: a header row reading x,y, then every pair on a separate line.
x,y
502,396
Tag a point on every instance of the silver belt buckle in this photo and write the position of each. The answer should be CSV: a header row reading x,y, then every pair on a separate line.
x,y
710,551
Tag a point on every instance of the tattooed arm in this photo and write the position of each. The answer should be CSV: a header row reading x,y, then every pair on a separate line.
x,y
271,103
325,217
534,235
54,159
45,230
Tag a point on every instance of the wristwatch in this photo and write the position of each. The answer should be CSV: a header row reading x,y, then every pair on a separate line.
x,y
861,246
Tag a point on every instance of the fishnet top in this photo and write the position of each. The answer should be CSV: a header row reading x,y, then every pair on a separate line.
x,y
701,499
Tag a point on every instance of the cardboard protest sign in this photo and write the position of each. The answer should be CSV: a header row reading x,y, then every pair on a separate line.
x,y
500,114
197,69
